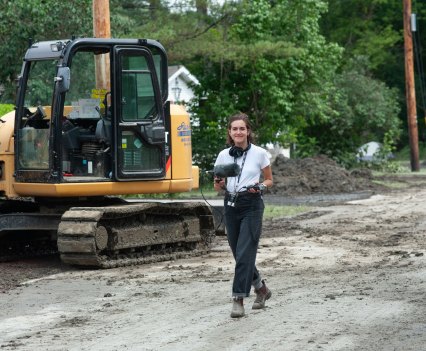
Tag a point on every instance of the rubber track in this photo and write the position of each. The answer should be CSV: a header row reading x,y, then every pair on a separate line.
x,y
87,236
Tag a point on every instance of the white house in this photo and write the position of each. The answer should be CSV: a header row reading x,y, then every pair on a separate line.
x,y
274,150
180,81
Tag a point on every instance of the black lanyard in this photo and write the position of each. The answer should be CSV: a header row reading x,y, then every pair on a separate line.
x,y
241,171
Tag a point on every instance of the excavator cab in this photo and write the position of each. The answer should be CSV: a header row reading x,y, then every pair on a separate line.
x,y
92,110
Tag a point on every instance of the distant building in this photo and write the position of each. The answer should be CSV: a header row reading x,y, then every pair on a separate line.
x,y
372,152
274,150
180,82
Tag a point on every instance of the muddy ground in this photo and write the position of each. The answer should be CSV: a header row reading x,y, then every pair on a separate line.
x,y
347,275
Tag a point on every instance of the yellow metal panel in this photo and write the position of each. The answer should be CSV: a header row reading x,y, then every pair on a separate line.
x,y
181,186
7,154
195,177
6,180
6,132
102,188
91,189
181,143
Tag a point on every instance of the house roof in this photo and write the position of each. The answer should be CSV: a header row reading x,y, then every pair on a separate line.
x,y
183,73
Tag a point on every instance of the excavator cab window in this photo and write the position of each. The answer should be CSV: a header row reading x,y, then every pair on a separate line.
x,y
34,117
138,97
161,71
86,126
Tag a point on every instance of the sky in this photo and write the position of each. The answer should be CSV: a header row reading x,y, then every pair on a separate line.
x,y
174,2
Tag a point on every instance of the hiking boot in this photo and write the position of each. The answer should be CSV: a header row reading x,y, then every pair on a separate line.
x,y
237,308
262,295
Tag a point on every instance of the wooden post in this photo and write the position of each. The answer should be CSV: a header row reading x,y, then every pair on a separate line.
x,y
102,29
410,89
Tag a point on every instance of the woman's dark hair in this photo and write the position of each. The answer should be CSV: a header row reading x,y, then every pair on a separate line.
x,y
237,117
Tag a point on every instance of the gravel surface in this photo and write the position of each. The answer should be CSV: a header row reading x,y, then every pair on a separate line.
x,y
344,276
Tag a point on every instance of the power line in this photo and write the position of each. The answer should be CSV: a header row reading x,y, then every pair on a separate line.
x,y
419,63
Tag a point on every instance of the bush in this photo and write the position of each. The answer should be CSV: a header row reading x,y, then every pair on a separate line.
x,y
5,108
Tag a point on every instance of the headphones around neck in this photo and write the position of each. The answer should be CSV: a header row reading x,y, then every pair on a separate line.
x,y
236,151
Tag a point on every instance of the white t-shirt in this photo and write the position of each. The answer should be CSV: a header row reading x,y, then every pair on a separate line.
x,y
255,160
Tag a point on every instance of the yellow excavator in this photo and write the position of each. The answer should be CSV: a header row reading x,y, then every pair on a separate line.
x,y
71,146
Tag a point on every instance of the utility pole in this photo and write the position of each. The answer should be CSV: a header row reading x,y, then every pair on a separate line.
x,y
410,89
102,29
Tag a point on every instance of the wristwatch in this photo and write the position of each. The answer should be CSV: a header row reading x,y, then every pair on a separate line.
x,y
262,187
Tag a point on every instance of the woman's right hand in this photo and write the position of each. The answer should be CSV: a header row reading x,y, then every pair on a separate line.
x,y
219,184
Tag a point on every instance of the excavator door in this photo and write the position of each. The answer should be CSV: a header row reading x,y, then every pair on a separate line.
x,y
140,148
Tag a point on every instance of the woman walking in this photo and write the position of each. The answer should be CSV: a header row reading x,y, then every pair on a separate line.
x,y
244,209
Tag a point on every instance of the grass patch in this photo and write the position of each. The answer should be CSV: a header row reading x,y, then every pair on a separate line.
x,y
5,108
391,184
271,211
276,211
208,193
405,152
404,170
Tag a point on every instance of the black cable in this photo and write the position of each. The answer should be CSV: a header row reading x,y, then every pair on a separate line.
x,y
210,205
420,68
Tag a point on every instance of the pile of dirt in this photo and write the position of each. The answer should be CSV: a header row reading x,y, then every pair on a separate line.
x,y
317,175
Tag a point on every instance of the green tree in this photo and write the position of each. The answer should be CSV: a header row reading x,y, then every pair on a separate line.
x,y
307,72
365,28
365,108
373,29
270,62
22,21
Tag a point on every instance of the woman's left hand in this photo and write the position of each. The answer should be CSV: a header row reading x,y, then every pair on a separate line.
x,y
257,188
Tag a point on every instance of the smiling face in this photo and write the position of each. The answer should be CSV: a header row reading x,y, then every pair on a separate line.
x,y
239,133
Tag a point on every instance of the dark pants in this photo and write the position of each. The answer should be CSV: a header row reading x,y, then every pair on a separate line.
x,y
244,227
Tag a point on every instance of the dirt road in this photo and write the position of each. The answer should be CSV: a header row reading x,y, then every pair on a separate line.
x,y
350,276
